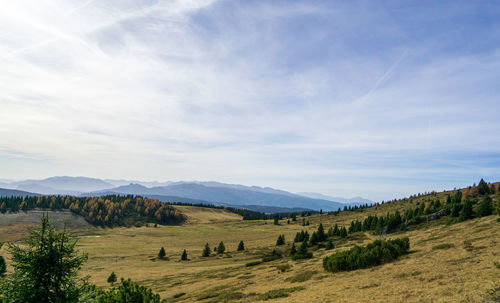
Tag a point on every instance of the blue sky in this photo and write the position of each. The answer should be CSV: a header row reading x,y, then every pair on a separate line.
x,y
378,99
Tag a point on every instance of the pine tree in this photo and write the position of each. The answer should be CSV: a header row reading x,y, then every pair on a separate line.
x,y
321,233
276,221
280,240
498,205
3,266
483,188
161,253
47,258
221,248
466,212
112,278
329,245
184,256
206,251
485,208
241,246
343,232
293,250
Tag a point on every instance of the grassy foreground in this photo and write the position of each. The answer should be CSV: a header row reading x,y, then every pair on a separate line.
x,y
447,263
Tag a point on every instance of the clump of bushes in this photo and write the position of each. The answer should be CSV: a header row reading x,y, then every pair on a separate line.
x,y
375,253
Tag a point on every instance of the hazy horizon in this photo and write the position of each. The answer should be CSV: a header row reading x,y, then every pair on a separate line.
x,y
374,99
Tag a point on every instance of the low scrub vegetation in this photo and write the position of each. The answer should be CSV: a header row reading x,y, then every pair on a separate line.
x,y
375,253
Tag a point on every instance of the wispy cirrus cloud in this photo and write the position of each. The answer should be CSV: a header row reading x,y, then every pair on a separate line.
x,y
371,99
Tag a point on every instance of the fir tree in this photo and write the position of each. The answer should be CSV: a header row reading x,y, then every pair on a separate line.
x,y
485,208
112,278
45,268
280,240
321,233
206,251
276,221
184,256
3,266
483,188
343,232
161,253
466,212
293,250
221,248
241,246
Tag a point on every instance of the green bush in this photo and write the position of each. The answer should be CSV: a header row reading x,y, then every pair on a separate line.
x,y
442,246
375,253
253,263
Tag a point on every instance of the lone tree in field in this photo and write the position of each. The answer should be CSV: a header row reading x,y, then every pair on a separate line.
x,y
45,268
112,278
241,246
485,208
161,253
206,251
221,248
184,256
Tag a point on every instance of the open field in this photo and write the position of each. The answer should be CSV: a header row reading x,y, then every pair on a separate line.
x,y
447,263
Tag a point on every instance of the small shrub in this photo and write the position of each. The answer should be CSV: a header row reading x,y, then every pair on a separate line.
x,y
442,246
302,277
279,293
178,295
254,263
283,267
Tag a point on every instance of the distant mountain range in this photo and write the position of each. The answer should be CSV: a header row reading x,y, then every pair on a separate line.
x,y
252,197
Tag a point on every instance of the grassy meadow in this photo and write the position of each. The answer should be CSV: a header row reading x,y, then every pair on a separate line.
x,y
447,263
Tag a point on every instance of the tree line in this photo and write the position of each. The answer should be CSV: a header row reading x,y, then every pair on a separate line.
x,y
109,210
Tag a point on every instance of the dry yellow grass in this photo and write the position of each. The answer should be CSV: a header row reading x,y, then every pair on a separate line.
x,y
465,272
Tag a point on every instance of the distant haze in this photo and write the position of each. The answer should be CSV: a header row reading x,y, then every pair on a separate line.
x,y
344,98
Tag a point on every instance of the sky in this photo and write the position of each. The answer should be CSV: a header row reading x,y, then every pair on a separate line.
x,y
379,99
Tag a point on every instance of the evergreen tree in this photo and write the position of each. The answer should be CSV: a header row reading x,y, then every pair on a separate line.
x,y
329,245
161,253
280,240
3,266
112,278
336,230
483,188
241,246
206,251
184,256
221,248
485,208
466,212
293,250
321,233
45,268
343,232
498,205
276,221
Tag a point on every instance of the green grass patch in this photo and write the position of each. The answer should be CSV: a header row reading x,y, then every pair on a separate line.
x,y
254,263
442,246
279,293
302,277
